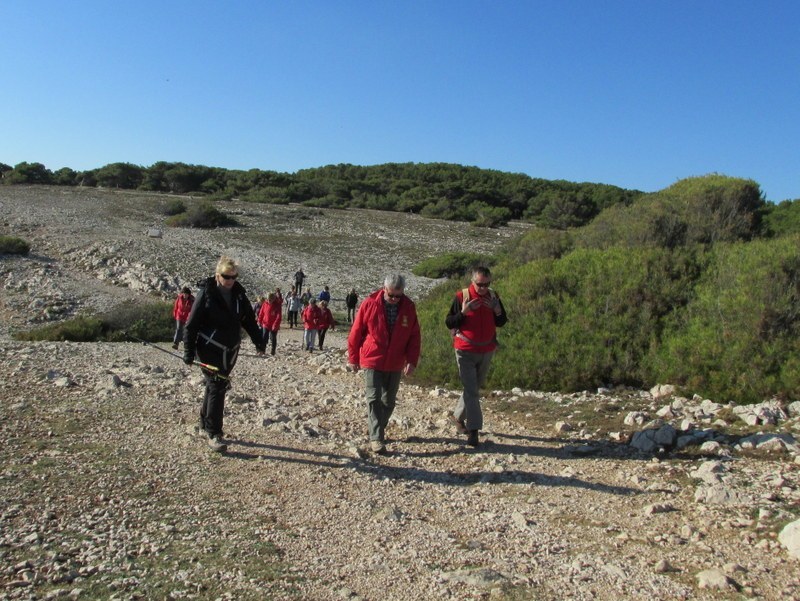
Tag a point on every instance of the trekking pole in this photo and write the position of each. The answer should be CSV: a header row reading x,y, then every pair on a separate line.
x,y
207,366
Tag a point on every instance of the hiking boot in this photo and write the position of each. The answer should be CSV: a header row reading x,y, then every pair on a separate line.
x,y
460,424
215,444
472,438
377,446
175,346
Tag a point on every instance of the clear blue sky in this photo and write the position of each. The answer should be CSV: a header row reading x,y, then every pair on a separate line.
x,y
635,93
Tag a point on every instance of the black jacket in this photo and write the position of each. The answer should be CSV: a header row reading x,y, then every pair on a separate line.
x,y
213,319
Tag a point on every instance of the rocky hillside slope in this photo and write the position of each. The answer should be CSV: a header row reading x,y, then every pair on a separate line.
x,y
106,492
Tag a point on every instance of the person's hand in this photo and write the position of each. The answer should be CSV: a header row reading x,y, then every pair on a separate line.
x,y
354,367
409,369
471,305
188,358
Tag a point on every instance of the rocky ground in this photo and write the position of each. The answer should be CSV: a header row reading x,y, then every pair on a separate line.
x,y
106,492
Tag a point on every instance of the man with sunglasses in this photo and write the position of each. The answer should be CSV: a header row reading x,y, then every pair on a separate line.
x,y
475,314
213,334
385,342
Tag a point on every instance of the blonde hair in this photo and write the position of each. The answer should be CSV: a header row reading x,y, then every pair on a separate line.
x,y
226,264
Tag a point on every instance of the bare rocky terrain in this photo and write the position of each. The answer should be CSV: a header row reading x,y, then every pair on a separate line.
x,y
106,492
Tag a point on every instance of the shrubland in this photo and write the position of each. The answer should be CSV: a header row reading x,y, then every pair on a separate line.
x,y
686,286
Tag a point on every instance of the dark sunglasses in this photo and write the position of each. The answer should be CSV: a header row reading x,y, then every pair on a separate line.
x,y
483,284
395,296
229,277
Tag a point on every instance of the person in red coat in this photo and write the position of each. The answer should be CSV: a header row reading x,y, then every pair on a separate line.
x,y
311,320
269,318
180,311
474,317
384,342
326,321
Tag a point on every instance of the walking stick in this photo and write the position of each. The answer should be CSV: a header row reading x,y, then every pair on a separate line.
x,y
209,367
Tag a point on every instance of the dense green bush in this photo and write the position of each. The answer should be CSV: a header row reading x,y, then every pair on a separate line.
x,y
174,207
201,215
539,243
782,219
586,320
152,322
451,264
80,329
698,210
9,245
740,337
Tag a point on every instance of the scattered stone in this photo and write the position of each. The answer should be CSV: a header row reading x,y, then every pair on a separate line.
x,y
660,391
663,567
789,537
562,427
715,579
658,508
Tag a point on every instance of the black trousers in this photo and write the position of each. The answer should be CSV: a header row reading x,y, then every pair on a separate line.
x,y
321,332
292,318
217,384
271,336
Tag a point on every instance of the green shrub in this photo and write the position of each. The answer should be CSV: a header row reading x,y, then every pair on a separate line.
x,y
174,207
10,245
739,339
152,322
539,243
201,215
80,329
783,219
699,210
585,320
451,264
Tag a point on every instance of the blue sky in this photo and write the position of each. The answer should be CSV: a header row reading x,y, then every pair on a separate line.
x,y
636,93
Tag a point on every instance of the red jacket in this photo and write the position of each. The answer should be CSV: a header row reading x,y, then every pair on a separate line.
x,y
182,307
326,319
371,346
311,317
269,316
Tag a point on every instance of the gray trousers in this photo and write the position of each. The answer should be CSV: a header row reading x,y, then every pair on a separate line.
x,y
381,398
472,369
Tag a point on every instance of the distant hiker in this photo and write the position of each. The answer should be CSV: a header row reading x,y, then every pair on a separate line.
x,y
299,278
269,318
180,311
325,321
351,300
279,294
475,314
306,297
294,305
325,295
385,342
213,334
311,318
257,305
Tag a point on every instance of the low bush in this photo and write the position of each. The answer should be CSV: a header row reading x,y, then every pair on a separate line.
x,y
174,207
10,245
201,215
449,265
152,322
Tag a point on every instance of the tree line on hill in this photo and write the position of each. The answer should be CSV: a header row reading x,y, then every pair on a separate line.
x,y
481,196
696,285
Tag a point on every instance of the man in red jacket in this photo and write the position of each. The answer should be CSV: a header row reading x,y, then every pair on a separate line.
x,y
180,311
385,342
475,314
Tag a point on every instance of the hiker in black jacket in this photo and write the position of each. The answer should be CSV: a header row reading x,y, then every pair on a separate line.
x,y
213,334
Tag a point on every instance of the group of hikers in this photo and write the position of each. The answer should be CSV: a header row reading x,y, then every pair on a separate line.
x,y
384,341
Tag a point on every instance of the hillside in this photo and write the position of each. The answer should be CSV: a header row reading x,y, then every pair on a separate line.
x,y
106,492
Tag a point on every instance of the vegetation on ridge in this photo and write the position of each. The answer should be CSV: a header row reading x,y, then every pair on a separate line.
x,y
687,285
